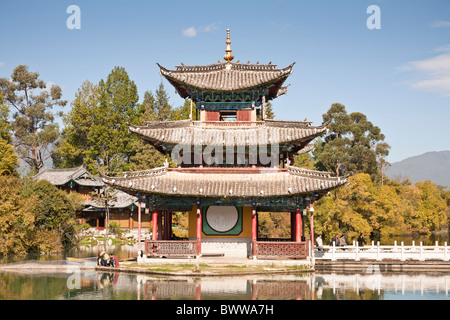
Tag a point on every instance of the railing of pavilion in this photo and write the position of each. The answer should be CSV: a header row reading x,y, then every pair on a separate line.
x,y
379,252
263,248
227,123
280,248
171,248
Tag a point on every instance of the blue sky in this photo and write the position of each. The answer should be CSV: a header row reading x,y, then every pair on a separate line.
x,y
399,75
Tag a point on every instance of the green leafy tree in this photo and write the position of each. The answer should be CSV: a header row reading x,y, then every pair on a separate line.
x,y
431,210
269,112
382,151
8,159
354,144
34,216
96,129
346,210
162,106
34,128
147,110
146,156
111,144
74,143
184,112
55,212
274,225
393,209
304,160
16,217
5,125
9,162
332,153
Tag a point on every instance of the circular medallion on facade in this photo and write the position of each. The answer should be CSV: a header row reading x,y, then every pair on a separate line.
x,y
222,219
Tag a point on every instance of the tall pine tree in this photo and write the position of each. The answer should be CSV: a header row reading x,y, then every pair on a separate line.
x,y
34,128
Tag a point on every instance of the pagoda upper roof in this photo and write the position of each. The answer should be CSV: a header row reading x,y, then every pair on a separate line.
x,y
228,76
268,183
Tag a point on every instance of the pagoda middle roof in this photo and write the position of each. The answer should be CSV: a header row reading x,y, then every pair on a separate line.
x,y
228,76
267,132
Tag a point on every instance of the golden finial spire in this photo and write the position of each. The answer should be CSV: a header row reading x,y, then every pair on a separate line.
x,y
228,56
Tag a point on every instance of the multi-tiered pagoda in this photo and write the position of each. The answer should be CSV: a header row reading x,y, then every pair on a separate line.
x,y
230,166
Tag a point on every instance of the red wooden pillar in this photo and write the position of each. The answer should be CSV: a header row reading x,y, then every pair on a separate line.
x,y
199,230
298,225
139,223
155,224
254,231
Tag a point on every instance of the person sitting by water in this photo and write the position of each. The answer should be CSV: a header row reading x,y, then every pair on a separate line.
x,y
104,259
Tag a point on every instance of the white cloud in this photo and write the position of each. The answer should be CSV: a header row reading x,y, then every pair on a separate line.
x,y
210,27
433,74
189,32
193,31
2,64
443,48
440,24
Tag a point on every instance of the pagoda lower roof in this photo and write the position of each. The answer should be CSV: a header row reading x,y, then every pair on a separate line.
x,y
267,132
267,183
228,76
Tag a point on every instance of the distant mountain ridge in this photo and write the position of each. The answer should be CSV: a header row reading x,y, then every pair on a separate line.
x,y
434,166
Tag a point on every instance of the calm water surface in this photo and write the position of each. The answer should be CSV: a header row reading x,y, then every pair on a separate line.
x,y
317,286
74,285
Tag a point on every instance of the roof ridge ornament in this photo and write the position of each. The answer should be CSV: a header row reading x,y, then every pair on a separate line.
x,y
228,56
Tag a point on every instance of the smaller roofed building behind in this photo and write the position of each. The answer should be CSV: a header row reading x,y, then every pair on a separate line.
x,y
123,206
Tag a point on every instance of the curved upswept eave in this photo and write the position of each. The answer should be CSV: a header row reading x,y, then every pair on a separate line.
x,y
161,181
227,77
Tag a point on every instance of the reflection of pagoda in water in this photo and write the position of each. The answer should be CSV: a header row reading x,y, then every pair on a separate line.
x,y
229,165
227,288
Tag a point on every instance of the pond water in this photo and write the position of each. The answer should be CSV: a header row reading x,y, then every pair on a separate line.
x,y
317,286
80,285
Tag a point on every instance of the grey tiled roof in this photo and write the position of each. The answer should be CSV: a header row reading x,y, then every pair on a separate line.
x,y
122,200
270,132
59,177
80,175
294,181
228,76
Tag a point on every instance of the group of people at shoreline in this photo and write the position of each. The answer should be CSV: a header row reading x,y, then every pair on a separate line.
x,y
339,241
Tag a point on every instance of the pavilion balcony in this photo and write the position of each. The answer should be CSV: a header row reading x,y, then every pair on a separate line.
x,y
266,249
280,249
171,248
227,123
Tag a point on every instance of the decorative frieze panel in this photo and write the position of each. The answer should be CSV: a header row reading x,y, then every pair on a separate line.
x,y
171,248
281,249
